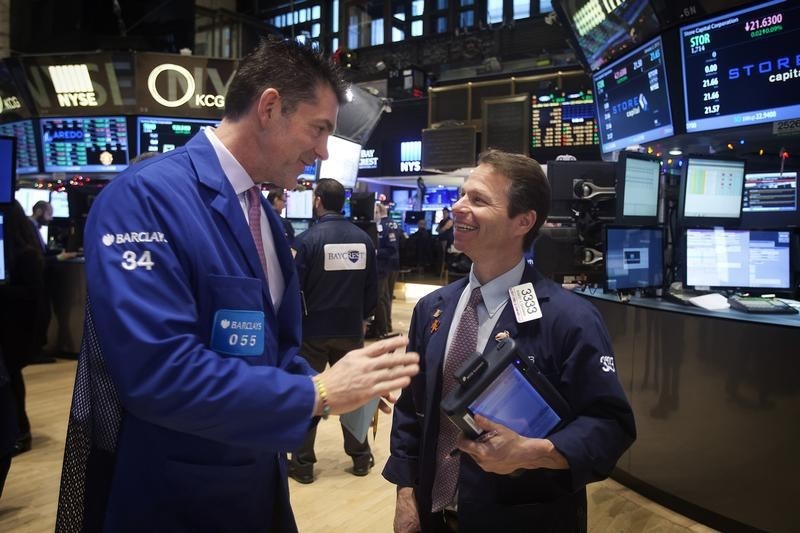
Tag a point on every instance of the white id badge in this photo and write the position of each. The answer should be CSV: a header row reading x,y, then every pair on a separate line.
x,y
525,303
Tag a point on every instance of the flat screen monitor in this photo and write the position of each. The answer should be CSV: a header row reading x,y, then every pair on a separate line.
x,y
632,99
342,162
638,184
8,169
60,202
162,134
741,68
634,257
741,259
2,251
563,120
401,198
300,204
346,211
362,206
770,200
84,144
605,30
711,191
565,175
27,198
309,172
441,196
27,155
299,226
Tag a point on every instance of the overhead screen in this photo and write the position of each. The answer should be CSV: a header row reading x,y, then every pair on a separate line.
x,y
738,258
563,120
742,68
632,99
711,191
605,30
161,134
84,144
27,155
342,163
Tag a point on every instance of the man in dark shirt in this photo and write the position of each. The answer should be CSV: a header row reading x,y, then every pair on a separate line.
x,y
335,263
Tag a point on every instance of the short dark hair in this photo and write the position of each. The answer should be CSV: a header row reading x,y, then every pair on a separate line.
x,y
275,193
41,204
529,189
331,194
293,69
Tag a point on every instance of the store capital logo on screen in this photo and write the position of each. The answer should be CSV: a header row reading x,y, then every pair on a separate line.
x,y
180,76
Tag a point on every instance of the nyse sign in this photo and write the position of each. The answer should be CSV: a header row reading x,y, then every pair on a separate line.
x,y
74,84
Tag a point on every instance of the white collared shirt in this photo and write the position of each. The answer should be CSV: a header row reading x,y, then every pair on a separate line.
x,y
241,181
495,297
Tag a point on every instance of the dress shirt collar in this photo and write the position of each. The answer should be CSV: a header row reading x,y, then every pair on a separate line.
x,y
234,171
495,292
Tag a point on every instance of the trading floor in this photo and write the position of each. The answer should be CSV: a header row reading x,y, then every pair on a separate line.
x,y
336,501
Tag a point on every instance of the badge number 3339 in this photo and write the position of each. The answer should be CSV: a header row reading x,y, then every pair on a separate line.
x,y
130,261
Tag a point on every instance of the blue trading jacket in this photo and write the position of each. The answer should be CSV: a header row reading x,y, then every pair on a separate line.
x,y
167,434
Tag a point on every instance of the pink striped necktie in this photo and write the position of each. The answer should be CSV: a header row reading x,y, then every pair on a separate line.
x,y
254,220
463,345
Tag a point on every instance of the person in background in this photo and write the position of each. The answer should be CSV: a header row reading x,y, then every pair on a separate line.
x,y
42,215
190,389
335,262
444,234
24,311
422,242
504,481
277,199
388,256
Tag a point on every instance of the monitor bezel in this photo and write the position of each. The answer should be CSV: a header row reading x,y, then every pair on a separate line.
x,y
351,180
621,187
651,227
736,288
707,222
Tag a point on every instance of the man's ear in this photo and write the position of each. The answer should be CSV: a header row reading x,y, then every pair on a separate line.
x,y
525,222
269,105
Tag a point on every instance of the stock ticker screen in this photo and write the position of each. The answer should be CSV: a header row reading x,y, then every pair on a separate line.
x,y
27,158
742,68
85,144
632,99
563,120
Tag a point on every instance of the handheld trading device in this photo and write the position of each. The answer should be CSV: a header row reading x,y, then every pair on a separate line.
x,y
507,389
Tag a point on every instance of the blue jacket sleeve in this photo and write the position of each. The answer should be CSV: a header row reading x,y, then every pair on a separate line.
x,y
604,426
402,468
146,300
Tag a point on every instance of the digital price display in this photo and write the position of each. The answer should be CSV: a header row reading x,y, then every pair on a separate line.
x,y
159,134
27,156
742,68
84,144
632,99
563,120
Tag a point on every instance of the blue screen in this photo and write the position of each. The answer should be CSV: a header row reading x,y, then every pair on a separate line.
x,y
634,258
27,156
88,144
2,251
632,99
7,170
738,258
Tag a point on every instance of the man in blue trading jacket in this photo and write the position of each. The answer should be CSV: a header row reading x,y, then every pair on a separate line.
x,y
504,481
335,263
189,390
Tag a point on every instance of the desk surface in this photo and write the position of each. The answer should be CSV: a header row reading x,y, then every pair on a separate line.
x,y
792,321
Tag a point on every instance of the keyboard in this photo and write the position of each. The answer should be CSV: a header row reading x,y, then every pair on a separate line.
x,y
761,305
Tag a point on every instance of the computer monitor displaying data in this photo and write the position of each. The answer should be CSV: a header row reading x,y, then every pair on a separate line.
x,y
300,204
27,154
711,191
770,200
741,259
164,134
342,163
634,257
27,198
85,144
8,169
59,201
638,184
